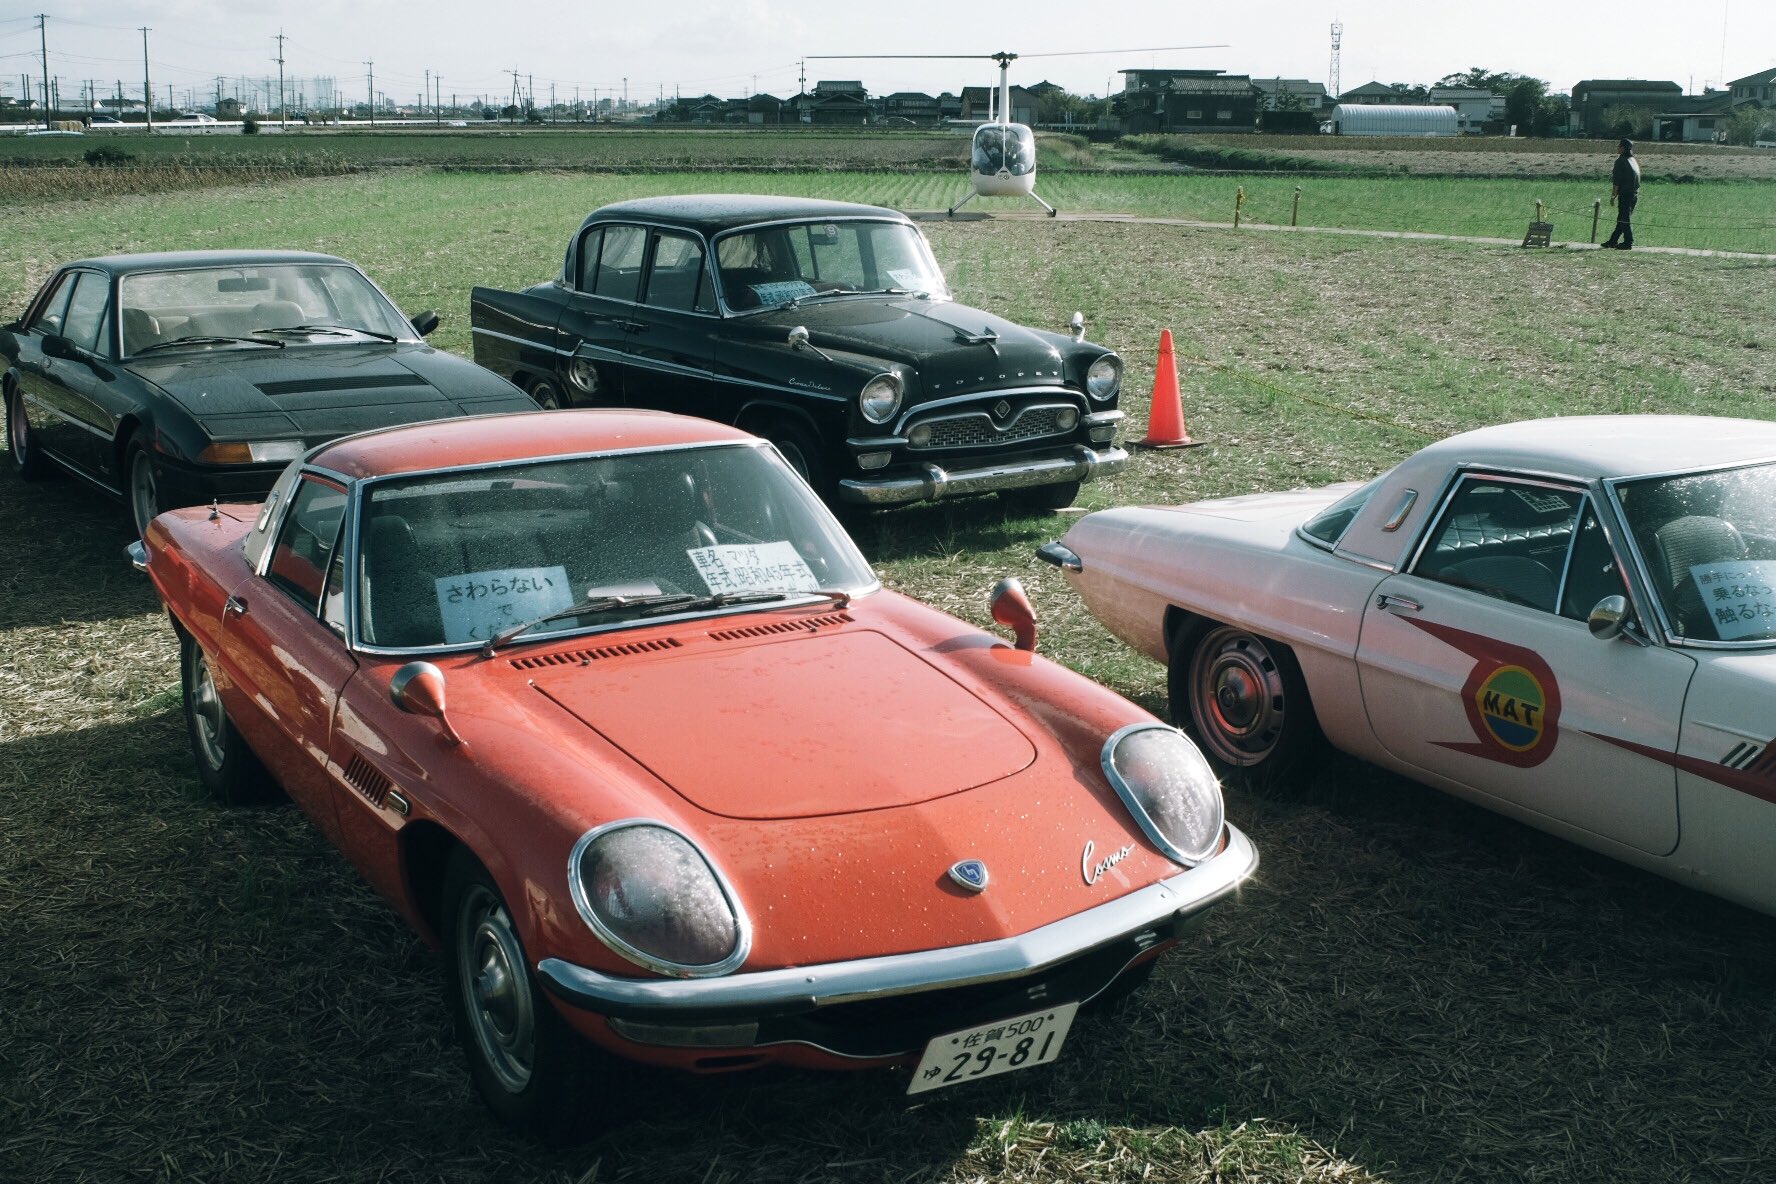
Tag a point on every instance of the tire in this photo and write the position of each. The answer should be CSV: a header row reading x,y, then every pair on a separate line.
x,y
27,460
533,1071
1041,498
1243,699
547,393
226,766
141,489
802,452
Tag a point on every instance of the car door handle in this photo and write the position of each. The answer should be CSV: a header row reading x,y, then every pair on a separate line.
x,y
1397,603
235,605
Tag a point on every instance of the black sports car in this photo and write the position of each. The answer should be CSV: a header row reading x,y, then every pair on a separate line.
x,y
825,327
171,379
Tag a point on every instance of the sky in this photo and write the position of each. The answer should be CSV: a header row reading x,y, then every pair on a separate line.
x,y
739,47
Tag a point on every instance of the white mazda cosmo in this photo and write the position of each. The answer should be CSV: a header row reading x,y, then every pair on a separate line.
x,y
1570,621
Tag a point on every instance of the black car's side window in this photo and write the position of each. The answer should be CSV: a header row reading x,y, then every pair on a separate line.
x,y
678,280
1506,539
54,313
84,322
303,554
619,262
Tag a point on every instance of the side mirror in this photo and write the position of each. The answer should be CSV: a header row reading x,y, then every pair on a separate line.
x,y
798,340
1609,617
418,689
425,322
1011,608
56,346
1077,325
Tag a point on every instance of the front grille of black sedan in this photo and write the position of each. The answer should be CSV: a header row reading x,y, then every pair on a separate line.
x,y
977,428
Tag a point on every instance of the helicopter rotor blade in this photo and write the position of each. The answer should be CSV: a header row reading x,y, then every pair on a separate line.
x,y
1079,53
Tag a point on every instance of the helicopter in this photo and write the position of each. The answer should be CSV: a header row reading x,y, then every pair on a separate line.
x,y
1002,159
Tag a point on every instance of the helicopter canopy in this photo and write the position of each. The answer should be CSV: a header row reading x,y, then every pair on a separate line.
x,y
1004,146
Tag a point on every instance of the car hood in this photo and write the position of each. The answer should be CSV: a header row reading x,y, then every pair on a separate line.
x,y
321,392
806,726
934,337
1294,505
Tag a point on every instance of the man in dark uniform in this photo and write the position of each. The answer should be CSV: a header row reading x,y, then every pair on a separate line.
x,y
1624,193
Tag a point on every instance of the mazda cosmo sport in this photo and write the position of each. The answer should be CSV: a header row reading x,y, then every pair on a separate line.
x,y
1570,621
611,709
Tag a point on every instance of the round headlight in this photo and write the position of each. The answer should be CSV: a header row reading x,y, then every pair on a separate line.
x,y
651,896
1104,378
880,398
1169,788
920,436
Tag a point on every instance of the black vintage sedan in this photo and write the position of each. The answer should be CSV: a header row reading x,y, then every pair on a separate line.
x,y
824,326
171,379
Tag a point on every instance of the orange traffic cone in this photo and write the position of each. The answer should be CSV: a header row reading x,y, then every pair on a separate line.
x,y
1165,419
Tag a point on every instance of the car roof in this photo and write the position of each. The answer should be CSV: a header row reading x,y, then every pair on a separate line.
x,y
517,436
175,260
712,213
1593,447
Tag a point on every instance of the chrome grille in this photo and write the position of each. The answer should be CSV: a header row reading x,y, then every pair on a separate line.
x,y
975,429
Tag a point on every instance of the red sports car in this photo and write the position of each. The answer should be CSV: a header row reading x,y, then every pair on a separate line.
x,y
701,792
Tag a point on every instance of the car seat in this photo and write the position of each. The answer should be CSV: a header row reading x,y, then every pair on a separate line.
x,y
1679,547
400,596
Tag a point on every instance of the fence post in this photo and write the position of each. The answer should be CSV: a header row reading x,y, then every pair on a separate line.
x,y
1295,210
1596,212
1239,200
1538,209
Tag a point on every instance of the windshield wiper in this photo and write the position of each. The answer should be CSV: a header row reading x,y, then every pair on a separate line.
x,y
329,330
602,604
204,339
697,604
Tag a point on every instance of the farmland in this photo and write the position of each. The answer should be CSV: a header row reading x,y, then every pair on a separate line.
x,y
1413,990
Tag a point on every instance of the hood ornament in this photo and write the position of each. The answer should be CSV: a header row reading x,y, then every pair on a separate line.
x,y
970,874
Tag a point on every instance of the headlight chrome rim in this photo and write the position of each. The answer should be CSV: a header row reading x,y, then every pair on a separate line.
x,y
583,905
1135,807
1103,389
893,406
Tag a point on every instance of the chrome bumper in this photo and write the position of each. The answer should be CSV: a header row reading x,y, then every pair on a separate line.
x,y
1079,463
765,993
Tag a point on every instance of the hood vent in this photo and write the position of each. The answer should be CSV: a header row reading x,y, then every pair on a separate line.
x,y
366,780
588,656
806,626
369,382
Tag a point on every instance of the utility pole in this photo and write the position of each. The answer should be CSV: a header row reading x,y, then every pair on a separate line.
x,y
147,89
283,107
625,92
43,43
437,100
370,68
551,102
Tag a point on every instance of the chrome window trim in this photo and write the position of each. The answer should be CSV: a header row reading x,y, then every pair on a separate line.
x,y
806,219
282,518
358,490
805,988
647,268
583,905
1107,760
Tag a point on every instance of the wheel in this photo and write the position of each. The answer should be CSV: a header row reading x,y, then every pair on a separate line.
x,y
1244,700
802,452
548,395
27,461
1041,497
533,1071
225,765
142,485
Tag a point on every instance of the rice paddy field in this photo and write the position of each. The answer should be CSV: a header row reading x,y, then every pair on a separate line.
x,y
1411,990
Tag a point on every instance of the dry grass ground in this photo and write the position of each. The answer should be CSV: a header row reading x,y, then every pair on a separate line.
x,y
1412,990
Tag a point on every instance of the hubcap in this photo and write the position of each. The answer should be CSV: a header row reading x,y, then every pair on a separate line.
x,y
207,716
546,397
143,500
496,995
1237,697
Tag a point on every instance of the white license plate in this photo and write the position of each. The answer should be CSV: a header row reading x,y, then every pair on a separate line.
x,y
992,1049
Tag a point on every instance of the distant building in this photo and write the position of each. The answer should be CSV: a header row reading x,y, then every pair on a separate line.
x,y
1377,94
980,103
911,105
835,104
1695,119
1187,100
1592,97
1473,105
1754,90
1290,94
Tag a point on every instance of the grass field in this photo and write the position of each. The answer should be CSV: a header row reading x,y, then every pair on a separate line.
x,y
1413,990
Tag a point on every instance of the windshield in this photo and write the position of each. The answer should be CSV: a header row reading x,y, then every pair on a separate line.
x,y
1708,541
1008,146
333,299
459,558
775,265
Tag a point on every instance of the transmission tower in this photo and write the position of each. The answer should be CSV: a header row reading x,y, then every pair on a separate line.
x,y
1332,70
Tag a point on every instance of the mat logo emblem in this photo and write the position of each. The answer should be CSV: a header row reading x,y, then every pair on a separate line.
x,y
1513,708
